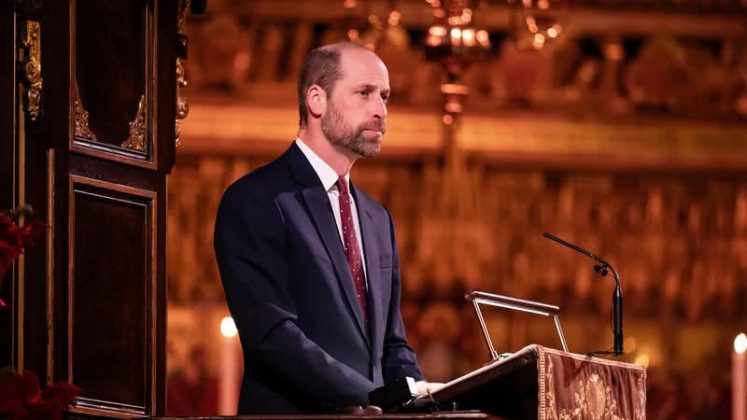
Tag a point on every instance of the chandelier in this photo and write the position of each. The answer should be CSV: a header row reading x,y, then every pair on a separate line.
x,y
453,39
534,23
455,42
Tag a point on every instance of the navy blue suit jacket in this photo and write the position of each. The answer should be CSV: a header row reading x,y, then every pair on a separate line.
x,y
290,292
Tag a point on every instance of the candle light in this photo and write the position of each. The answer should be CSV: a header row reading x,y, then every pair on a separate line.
x,y
739,379
229,373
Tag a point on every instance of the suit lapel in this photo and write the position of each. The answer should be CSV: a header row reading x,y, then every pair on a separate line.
x,y
317,200
371,259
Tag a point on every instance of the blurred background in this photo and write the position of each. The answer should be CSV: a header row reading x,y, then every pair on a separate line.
x,y
620,126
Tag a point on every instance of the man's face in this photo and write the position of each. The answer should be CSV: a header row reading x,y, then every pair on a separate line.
x,y
355,118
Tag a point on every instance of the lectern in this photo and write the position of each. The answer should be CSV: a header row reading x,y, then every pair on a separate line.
x,y
542,383
539,382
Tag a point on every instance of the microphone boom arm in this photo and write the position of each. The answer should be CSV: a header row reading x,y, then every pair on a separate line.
x,y
617,297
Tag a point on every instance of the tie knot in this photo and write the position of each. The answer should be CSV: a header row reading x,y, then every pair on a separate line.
x,y
342,186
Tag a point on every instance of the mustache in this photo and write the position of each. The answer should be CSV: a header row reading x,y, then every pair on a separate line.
x,y
376,125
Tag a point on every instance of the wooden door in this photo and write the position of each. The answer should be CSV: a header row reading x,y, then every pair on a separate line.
x,y
89,146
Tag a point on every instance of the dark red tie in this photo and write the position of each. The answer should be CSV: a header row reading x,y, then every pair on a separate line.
x,y
352,249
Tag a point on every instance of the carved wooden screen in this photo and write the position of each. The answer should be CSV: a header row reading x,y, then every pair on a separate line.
x,y
112,91
92,146
120,145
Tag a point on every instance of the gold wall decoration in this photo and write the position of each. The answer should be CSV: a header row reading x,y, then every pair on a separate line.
x,y
182,107
136,139
33,68
81,118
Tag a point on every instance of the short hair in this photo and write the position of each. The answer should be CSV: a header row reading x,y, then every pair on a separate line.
x,y
322,67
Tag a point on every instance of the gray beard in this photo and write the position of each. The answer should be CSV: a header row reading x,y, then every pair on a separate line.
x,y
350,138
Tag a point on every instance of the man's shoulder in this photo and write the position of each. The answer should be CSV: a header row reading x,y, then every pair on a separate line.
x,y
261,177
256,192
263,181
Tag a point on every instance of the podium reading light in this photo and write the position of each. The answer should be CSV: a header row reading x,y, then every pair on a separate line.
x,y
520,305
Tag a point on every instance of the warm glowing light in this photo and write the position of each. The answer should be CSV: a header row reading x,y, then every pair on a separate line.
x,y
437,30
614,51
642,360
483,38
543,4
630,344
532,24
394,18
228,327
455,21
436,35
353,34
538,41
447,119
467,15
740,343
469,37
350,4
456,36
453,107
552,32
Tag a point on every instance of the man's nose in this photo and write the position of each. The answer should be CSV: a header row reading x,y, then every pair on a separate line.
x,y
379,110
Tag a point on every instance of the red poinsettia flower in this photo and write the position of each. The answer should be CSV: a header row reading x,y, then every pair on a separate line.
x,y
11,244
30,231
21,398
14,239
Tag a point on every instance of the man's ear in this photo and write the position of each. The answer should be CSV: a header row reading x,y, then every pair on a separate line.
x,y
316,100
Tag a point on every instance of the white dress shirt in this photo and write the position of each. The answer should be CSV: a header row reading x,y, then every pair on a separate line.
x,y
329,176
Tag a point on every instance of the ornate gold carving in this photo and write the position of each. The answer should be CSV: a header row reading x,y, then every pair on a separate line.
x,y
33,68
136,140
81,118
181,81
182,107
183,15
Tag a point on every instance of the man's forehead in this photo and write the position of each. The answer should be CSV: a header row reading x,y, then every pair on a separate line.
x,y
363,66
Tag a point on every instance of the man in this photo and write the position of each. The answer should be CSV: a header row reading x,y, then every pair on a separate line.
x,y
309,262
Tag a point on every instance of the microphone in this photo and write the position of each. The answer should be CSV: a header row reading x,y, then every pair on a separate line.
x,y
617,297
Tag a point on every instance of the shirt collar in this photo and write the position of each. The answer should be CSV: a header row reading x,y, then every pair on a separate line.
x,y
326,174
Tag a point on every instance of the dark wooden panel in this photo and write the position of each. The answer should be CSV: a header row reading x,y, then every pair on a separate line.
x,y
165,62
165,54
113,94
110,63
57,75
111,328
114,172
94,290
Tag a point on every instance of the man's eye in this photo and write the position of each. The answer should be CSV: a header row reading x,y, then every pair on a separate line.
x,y
363,93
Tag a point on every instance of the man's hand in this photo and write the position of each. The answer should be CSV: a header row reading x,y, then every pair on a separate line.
x,y
426,388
